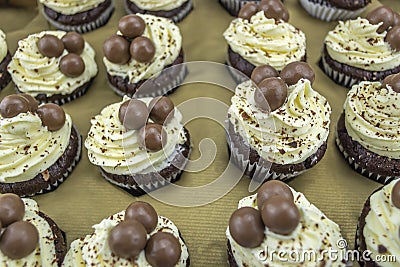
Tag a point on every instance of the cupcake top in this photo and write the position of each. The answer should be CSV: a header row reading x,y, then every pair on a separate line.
x,y
136,236
381,230
126,138
71,7
52,62
294,124
27,239
372,116
370,43
143,46
3,46
265,37
157,5
32,137
281,220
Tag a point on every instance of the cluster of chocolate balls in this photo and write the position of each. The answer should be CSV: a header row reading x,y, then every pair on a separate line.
x,y
273,9
276,211
134,115
51,115
129,237
72,64
120,49
18,238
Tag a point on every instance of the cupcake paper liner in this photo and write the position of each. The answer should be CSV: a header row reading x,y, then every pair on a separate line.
x,y
236,74
339,78
326,12
234,6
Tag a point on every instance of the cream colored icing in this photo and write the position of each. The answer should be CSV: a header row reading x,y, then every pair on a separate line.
x,y
71,7
167,40
356,43
3,46
27,148
372,118
264,41
289,134
36,74
157,5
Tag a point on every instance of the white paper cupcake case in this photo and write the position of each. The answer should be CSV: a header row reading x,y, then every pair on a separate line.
x,y
339,78
236,5
327,12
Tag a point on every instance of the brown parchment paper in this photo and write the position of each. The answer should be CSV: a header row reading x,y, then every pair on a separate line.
x,y
85,197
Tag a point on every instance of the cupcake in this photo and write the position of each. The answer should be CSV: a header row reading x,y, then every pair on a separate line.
x,y
363,49
262,36
368,130
378,228
273,228
277,127
53,66
139,144
39,146
176,10
141,55
5,58
136,236
79,16
29,237
330,10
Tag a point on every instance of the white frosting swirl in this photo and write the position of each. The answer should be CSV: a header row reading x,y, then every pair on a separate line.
x,y
372,118
27,148
289,134
356,43
45,252
157,5
3,46
36,74
167,40
264,41
93,250
118,151
382,226
71,7
314,234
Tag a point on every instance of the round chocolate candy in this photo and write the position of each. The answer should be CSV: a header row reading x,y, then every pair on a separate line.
x,y
246,227
144,213
19,240
271,189
52,116
142,49
248,10
393,38
381,14
274,9
396,19
295,71
270,94
163,250
262,72
33,104
12,209
131,26
280,215
161,108
50,46
12,105
116,50
153,137
133,114
393,81
127,239
396,195
73,42
72,65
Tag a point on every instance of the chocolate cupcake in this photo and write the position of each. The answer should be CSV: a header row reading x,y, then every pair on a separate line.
x,y
136,236
39,146
53,66
146,54
139,144
280,220
262,36
368,130
29,237
5,58
377,235
176,10
277,127
329,10
79,16
363,49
